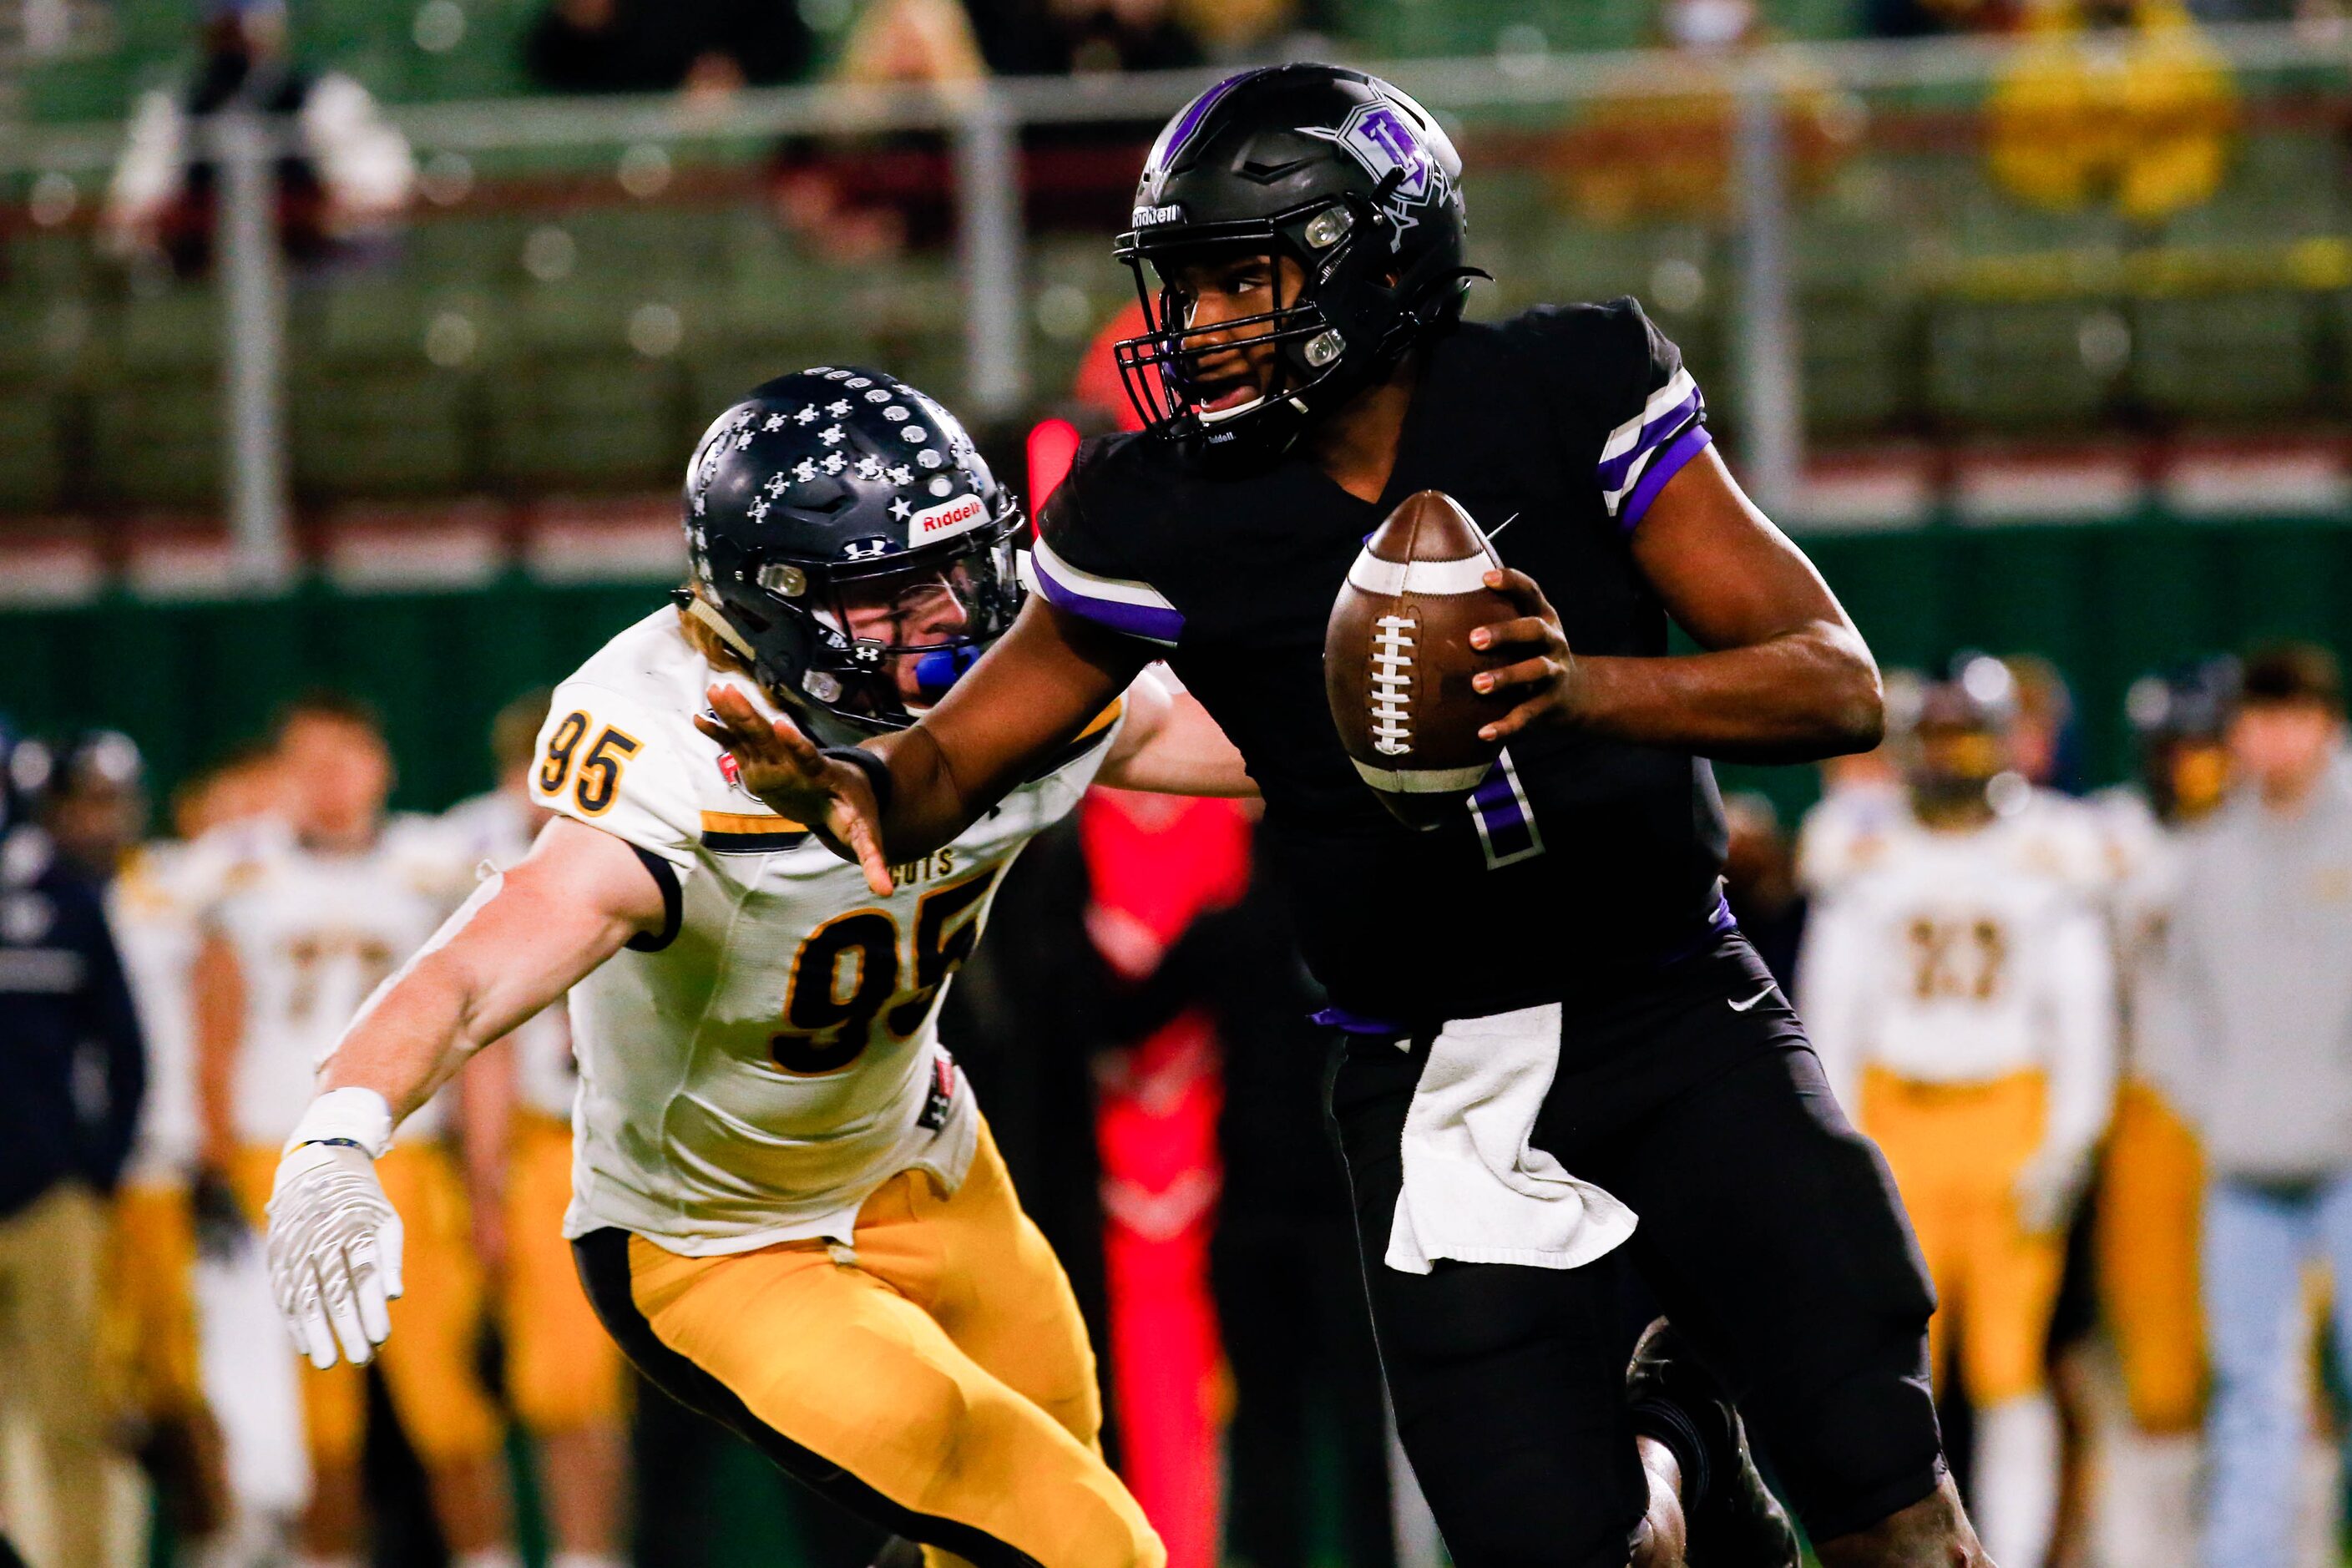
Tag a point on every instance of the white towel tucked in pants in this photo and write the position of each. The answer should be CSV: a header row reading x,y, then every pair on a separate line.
x,y
1473,1189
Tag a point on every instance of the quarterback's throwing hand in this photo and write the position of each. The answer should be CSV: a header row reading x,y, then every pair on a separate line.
x,y
794,779
1545,679
334,1252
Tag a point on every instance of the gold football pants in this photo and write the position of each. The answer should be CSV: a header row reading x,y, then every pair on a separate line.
x,y
2151,1201
933,1377
563,1371
1955,1151
149,1319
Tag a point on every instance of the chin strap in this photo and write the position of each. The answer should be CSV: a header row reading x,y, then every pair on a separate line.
x,y
696,606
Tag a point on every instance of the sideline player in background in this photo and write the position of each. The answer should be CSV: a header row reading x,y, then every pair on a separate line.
x,y
97,810
1961,996
563,1374
2152,1184
298,937
786,1206
1300,238
2044,741
69,1108
1862,804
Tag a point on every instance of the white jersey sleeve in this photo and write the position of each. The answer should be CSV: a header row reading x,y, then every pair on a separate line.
x,y
1846,833
609,760
153,907
1835,986
2079,994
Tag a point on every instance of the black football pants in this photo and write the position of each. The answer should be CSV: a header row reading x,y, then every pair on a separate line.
x,y
1769,1232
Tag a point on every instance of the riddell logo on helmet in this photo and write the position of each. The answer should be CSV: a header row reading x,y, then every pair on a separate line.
x,y
957,516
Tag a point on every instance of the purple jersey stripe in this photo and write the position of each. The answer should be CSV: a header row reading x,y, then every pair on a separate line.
x,y
1148,621
1505,833
1718,924
1664,467
1612,472
1495,800
1356,1023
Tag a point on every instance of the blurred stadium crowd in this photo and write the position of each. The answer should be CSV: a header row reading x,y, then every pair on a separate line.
x,y
2099,1038
2117,102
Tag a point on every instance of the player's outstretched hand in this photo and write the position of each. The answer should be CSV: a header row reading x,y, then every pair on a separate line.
x,y
1544,680
794,779
334,1252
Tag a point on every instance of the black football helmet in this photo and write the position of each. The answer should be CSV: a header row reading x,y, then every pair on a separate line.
x,y
849,543
1959,750
1338,171
2180,719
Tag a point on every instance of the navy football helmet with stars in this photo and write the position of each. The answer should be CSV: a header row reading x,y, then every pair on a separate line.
x,y
851,545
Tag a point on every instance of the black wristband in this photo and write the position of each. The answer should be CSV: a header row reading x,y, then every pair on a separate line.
x,y
876,768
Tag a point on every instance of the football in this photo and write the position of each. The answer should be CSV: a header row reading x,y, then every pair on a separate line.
x,y
1397,659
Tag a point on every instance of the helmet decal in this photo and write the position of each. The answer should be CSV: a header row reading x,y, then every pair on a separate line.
x,y
1386,144
949,517
1194,114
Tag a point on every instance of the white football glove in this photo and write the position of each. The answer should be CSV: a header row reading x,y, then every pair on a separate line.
x,y
334,1238
2048,1189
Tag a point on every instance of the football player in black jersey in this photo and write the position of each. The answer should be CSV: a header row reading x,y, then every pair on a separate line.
x,y
1298,243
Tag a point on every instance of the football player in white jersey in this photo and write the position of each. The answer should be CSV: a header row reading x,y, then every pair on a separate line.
x,y
786,1207
1960,991
299,936
563,1374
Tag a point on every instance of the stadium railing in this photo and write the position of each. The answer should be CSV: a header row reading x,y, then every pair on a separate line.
x,y
1948,281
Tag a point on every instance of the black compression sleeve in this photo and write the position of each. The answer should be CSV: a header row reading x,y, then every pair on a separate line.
x,y
876,769
673,903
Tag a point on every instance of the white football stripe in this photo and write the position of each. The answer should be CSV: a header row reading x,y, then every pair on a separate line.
x,y
1614,500
1421,781
1621,440
1118,590
1374,576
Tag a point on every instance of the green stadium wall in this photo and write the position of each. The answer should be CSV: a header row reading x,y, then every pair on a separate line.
x,y
2106,602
